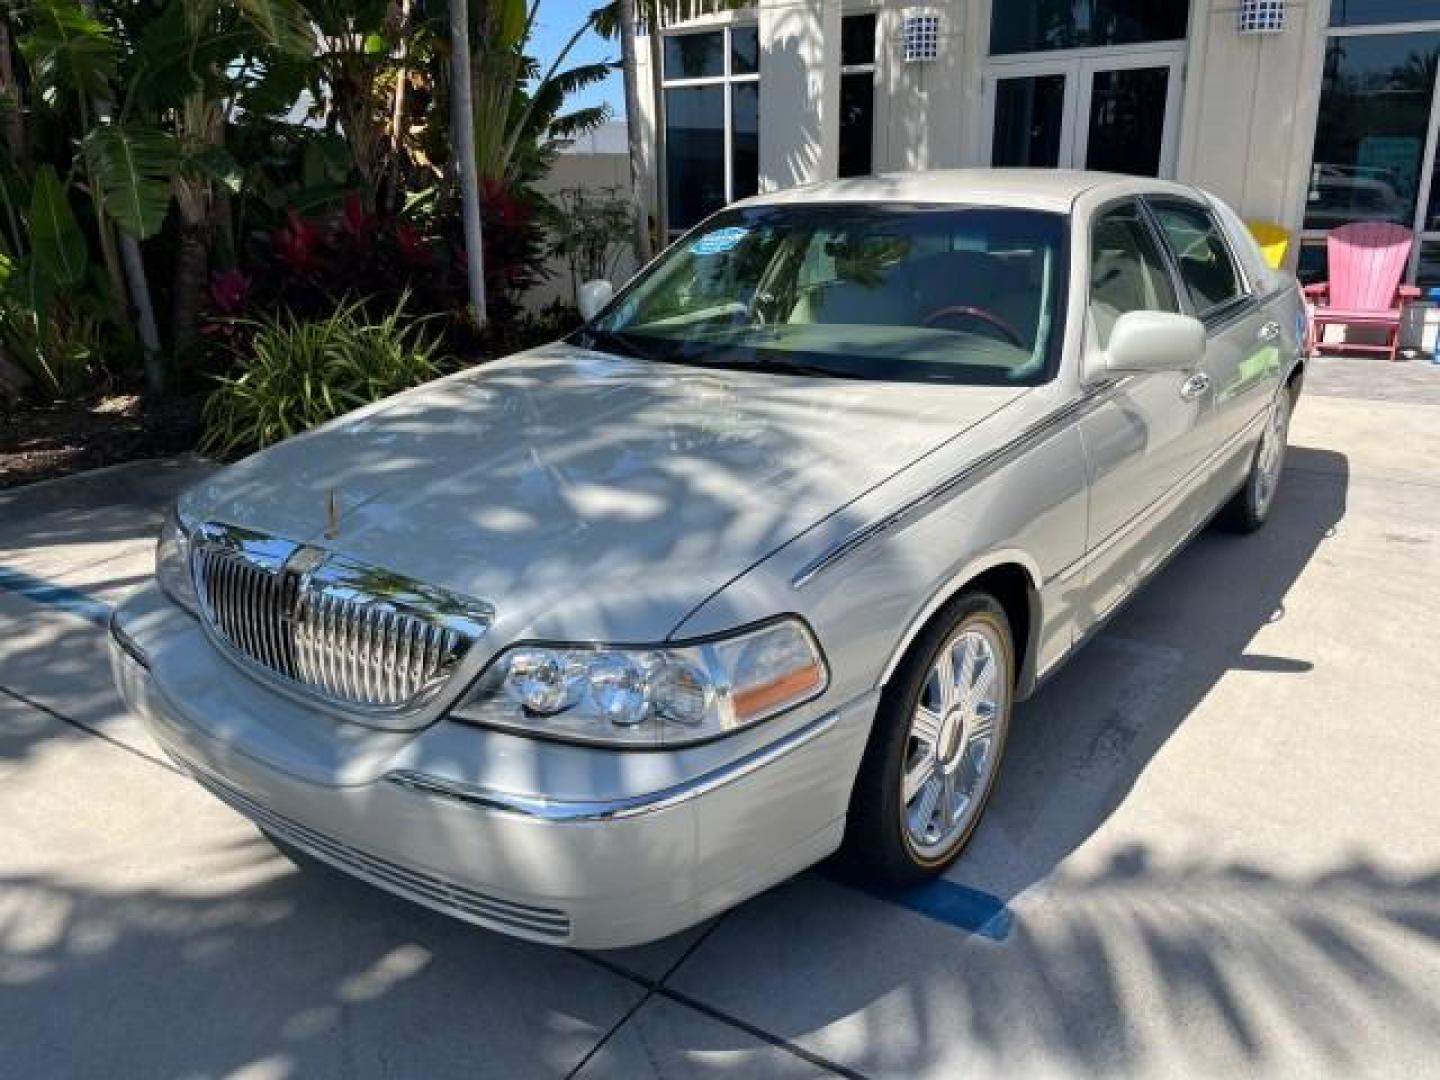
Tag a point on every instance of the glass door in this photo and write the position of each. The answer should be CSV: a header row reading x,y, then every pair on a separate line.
x,y
1122,129
1113,111
1033,115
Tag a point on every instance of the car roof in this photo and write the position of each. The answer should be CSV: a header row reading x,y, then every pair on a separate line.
x,y
1041,189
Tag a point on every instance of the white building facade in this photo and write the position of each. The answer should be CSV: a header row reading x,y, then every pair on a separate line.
x,y
1305,113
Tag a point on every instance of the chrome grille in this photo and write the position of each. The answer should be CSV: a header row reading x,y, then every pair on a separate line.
x,y
346,632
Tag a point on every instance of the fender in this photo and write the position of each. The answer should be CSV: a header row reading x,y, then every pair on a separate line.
x,y
951,587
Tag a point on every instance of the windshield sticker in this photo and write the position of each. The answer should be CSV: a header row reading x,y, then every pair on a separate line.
x,y
719,241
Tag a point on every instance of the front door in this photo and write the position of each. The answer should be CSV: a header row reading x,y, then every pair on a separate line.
x,y
1117,112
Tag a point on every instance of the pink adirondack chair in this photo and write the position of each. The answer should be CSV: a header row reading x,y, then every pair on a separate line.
x,y
1367,260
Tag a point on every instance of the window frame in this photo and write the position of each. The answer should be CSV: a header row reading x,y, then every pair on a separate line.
x,y
1183,304
1226,310
727,80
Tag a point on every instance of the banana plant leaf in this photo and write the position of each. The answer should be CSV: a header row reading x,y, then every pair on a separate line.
x,y
133,166
283,23
57,244
68,49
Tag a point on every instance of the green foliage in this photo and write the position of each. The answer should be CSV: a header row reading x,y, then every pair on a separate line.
x,y
590,230
59,246
285,24
68,50
298,374
133,166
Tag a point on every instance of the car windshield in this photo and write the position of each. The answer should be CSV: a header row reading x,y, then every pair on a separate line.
x,y
892,292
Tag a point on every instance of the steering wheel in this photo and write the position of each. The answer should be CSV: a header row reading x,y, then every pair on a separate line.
x,y
984,315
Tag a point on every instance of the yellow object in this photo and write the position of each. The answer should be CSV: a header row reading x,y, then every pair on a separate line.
x,y
1273,240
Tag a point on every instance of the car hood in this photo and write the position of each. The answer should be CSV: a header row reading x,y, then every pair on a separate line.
x,y
586,495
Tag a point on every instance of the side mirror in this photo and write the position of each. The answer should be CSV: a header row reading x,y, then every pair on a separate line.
x,y
1155,341
592,296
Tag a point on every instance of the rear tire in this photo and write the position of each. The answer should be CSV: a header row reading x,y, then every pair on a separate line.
x,y
1250,507
934,750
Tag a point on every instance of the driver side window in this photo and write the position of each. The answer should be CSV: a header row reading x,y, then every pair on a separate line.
x,y
1127,270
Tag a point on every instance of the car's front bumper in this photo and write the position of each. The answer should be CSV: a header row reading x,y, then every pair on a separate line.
x,y
596,848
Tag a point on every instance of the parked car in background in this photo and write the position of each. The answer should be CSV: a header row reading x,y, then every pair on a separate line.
x,y
588,644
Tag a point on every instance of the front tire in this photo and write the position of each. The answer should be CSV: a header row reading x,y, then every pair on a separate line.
x,y
935,747
1250,507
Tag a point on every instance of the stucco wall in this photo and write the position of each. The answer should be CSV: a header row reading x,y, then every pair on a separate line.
x,y
1250,106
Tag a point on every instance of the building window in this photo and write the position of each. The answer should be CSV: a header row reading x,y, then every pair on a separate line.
x,y
857,94
1375,141
1373,12
712,121
1042,25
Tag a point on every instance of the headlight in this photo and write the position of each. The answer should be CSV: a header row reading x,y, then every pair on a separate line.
x,y
172,563
649,697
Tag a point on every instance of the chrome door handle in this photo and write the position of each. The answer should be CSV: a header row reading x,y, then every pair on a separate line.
x,y
1269,332
1194,386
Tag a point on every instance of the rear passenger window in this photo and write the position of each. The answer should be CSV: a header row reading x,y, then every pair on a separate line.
x,y
1127,271
1206,265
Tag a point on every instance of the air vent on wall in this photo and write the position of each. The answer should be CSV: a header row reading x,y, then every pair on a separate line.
x,y
921,37
1261,16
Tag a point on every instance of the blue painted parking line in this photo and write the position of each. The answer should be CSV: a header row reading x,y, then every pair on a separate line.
x,y
39,591
954,904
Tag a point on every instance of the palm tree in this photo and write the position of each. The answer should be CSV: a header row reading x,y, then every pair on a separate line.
x,y
462,105
635,136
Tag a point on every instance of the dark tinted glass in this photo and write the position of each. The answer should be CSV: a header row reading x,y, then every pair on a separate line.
x,y
694,56
857,123
1312,263
694,152
1029,112
1127,120
857,39
1127,271
745,147
744,50
1372,12
1035,25
1203,256
1427,273
1370,135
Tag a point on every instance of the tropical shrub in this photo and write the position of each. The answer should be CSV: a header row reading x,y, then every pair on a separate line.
x,y
590,231
298,373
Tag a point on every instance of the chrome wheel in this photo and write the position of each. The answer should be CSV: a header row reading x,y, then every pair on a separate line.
x,y
951,748
1270,459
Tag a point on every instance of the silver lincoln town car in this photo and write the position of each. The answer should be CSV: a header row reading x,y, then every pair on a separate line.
x,y
590,643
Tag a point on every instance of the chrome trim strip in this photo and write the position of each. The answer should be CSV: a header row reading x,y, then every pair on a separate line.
x,y
947,489
571,811
128,645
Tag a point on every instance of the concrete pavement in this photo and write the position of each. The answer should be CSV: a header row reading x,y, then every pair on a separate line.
x,y
1216,837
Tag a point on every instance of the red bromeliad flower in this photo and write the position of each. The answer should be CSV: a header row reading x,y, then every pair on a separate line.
x,y
229,289
296,243
414,248
355,221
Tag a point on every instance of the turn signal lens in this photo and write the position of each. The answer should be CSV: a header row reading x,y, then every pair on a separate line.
x,y
661,696
172,563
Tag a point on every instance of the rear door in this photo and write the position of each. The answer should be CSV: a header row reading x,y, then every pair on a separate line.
x,y
1243,342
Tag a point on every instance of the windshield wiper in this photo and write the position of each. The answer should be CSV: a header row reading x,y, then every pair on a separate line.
x,y
611,342
772,365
